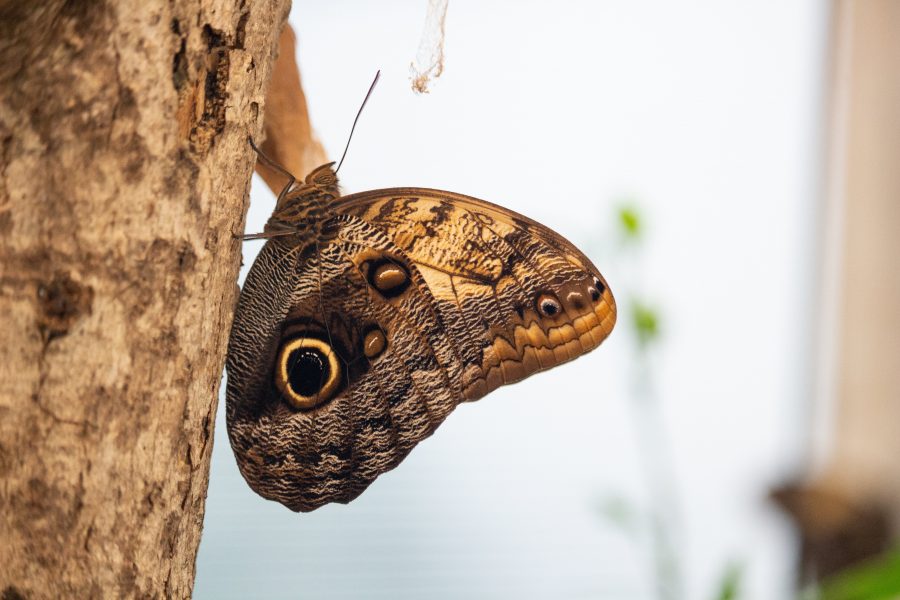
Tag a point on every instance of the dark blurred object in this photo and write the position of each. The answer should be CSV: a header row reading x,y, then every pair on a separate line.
x,y
850,511
835,532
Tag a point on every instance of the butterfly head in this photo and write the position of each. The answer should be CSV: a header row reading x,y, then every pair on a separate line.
x,y
324,180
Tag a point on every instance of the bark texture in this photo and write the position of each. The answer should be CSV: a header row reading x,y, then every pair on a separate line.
x,y
124,172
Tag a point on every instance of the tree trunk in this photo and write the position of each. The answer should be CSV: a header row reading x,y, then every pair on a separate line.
x,y
124,176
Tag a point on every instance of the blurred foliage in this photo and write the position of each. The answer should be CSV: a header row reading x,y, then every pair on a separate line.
x,y
874,580
657,523
618,511
645,321
630,221
729,588
878,579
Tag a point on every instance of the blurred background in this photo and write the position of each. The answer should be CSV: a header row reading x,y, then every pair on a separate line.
x,y
731,168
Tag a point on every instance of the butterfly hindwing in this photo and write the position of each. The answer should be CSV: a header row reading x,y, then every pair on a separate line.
x,y
384,403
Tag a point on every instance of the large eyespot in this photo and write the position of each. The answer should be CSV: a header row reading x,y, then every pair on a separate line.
x,y
547,305
307,373
599,287
387,276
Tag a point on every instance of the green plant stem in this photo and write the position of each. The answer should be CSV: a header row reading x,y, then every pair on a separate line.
x,y
663,506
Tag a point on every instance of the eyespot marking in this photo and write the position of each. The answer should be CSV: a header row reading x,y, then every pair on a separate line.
x,y
387,276
547,305
575,299
374,343
307,372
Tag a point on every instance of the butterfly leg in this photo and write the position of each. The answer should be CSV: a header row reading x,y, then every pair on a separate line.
x,y
274,165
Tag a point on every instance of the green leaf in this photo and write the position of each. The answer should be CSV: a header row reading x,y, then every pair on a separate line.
x,y
645,322
630,221
878,579
730,586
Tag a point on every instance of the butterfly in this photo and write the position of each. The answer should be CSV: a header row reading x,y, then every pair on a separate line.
x,y
366,319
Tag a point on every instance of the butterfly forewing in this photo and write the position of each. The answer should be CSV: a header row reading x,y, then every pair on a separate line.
x,y
487,267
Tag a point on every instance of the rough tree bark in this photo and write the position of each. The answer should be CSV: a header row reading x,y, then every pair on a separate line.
x,y
124,172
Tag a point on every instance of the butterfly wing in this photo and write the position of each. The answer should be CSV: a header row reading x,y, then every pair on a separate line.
x,y
352,345
488,269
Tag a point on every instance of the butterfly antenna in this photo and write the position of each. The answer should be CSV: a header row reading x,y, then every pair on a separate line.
x,y
359,112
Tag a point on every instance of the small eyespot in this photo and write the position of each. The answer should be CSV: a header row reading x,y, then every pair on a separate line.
x,y
548,305
575,299
374,343
387,276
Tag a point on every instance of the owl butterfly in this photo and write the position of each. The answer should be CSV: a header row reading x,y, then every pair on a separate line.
x,y
366,319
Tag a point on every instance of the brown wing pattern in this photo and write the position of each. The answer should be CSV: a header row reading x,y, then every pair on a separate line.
x,y
487,267
355,339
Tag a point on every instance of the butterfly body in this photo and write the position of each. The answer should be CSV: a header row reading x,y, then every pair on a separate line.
x,y
367,319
